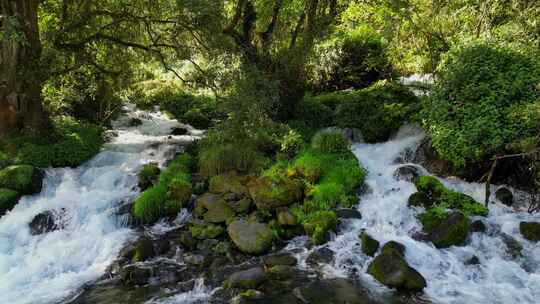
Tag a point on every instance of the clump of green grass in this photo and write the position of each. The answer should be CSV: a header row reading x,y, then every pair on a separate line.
x,y
330,142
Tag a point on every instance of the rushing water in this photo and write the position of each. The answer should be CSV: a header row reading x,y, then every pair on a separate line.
x,y
385,215
46,268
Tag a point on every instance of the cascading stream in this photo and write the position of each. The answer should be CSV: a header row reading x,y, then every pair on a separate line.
x,y
498,278
49,267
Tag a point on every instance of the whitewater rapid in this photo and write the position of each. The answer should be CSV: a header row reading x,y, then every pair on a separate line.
x,y
385,215
49,267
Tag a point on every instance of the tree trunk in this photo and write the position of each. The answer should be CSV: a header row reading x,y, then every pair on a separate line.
x,y
21,79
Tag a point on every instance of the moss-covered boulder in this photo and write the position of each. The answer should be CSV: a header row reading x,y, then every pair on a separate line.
x,y
219,213
450,231
143,250
369,244
179,193
530,230
285,217
420,199
318,225
391,269
246,279
203,231
250,237
505,196
206,202
8,199
228,182
148,176
267,194
22,178
429,185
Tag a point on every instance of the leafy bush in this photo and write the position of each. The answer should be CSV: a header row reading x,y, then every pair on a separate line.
x,y
378,111
330,142
291,143
482,104
313,115
318,224
360,60
70,144
5,160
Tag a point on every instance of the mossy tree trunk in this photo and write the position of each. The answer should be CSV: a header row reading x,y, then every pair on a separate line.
x,y
21,78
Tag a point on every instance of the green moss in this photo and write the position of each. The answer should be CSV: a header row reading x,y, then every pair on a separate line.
x,y
318,224
148,176
309,165
330,142
530,231
206,231
23,178
326,196
150,206
179,192
369,244
430,185
219,159
8,199
433,216
5,160
420,199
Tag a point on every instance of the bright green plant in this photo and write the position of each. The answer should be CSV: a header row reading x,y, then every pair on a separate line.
x,y
291,143
150,206
481,104
220,159
330,142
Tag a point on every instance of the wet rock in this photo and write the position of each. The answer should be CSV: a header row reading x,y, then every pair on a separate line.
x,y
178,131
202,231
513,247
333,291
391,269
187,240
135,275
478,226
248,296
281,272
134,122
229,182
407,173
285,217
206,202
246,279
47,221
348,213
505,196
207,245
8,200
269,195
219,212
394,246
420,199
280,259
474,260
250,237
143,251
24,179
195,259
320,256
530,231
241,206
369,244
148,176
450,231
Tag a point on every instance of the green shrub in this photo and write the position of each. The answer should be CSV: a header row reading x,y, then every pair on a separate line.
x,y
5,160
347,173
482,103
291,143
220,159
318,224
330,142
150,206
148,176
312,115
325,196
378,111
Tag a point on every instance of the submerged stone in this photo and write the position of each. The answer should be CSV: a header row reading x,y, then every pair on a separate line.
x,y
46,221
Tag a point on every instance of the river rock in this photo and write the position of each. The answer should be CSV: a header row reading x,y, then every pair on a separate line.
x,y
246,279
47,221
285,217
369,244
206,202
320,256
241,206
530,231
178,131
407,173
269,195
334,291
478,226
203,231
280,259
8,199
24,179
229,182
505,196
348,213
219,213
450,231
420,199
391,269
135,275
250,237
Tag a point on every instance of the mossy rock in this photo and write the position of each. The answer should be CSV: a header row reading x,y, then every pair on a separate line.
x,y
530,231
420,199
246,279
8,200
369,244
206,202
250,237
319,224
450,231
505,196
179,193
203,231
285,217
270,195
144,250
391,269
228,182
241,206
394,246
219,213
429,185
22,178
148,176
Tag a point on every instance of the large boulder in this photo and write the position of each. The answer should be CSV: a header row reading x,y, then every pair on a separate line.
x,y
452,230
505,196
270,195
228,182
391,269
207,201
334,291
420,199
22,178
250,237
8,199
219,213
530,231
369,244
47,221
246,279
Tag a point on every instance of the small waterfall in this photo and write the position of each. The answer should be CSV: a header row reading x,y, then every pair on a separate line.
x,y
46,268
